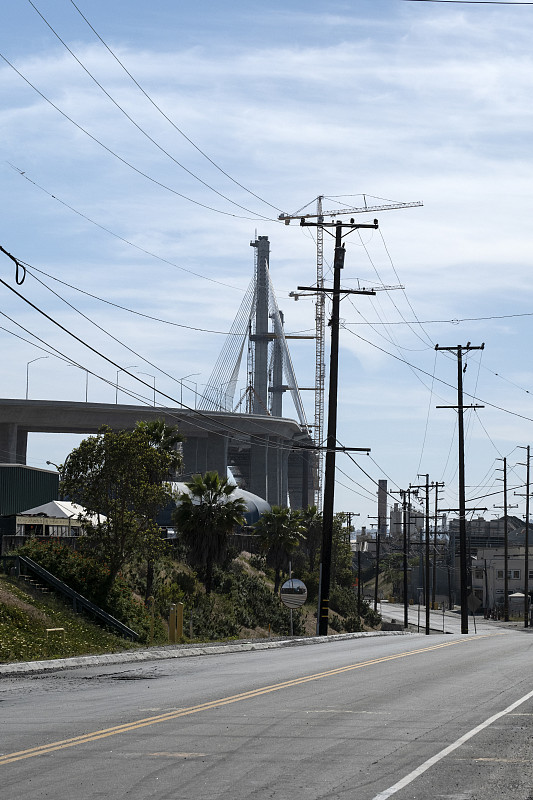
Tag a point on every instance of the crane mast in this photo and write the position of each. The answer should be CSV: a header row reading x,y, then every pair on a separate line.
x,y
320,314
320,362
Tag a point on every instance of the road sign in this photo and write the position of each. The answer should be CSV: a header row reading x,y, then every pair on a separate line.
x,y
293,593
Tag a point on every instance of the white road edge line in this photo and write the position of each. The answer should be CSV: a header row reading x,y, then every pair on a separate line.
x,y
447,750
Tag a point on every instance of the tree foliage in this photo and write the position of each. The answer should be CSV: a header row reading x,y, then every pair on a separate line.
x,y
118,478
205,517
312,523
164,438
280,532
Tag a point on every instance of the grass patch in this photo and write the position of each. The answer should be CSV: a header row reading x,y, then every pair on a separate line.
x,y
24,618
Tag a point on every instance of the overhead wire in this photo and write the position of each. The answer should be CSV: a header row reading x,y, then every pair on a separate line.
x,y
368,495
31,269
428,337
428,414
26,177
198,414
441,381
103,330
28,341
351,489
476,2
133,122
389,292
124,160
172,123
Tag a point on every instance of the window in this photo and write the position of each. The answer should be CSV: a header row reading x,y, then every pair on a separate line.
x,y
478,574
514,574
499,574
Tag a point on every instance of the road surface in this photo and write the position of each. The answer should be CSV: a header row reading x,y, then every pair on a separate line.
x,y
405,716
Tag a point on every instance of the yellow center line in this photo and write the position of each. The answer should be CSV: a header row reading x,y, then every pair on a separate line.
x,y
9,758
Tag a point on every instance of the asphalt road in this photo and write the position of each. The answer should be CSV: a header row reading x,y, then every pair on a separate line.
x,y
416,717
447,622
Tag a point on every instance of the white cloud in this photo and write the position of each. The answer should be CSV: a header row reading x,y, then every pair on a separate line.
x,y
407,103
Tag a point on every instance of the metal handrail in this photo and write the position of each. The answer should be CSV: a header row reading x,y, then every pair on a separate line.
x,y
78,600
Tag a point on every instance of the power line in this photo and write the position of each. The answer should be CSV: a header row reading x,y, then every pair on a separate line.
x,y
23,174
103,330
200,414
160,110
475,2
123,160
447,321
31,269
440,380
130,118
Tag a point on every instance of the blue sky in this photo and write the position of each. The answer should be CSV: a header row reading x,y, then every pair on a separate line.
x,y
400,100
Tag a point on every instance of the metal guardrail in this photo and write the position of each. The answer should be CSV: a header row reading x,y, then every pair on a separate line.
x,y
79,602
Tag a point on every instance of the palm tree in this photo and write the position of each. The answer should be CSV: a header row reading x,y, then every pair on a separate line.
x,y
312,523
164,438
205,517
280,532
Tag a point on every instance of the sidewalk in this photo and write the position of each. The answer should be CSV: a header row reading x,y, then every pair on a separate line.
x,y
449,622
179,651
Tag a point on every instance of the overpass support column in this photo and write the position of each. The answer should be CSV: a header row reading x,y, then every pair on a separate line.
x,y
8,442
277,466
258,467
299,479
22,446
205,454
269,470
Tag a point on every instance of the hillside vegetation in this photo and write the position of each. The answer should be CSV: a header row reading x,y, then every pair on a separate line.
x,y
25,617
242,605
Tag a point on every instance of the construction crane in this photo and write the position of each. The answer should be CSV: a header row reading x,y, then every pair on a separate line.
x,y
320,310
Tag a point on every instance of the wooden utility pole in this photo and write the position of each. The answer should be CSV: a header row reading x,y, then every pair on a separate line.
x,y
406,511
331,442
505,544
526,554
376,577
437,485
459,350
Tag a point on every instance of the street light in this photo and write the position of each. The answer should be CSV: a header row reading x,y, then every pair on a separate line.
x,y
60,468
122,369
180,381
86,378
150,376
28,371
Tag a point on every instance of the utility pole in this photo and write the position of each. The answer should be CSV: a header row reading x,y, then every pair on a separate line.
x,y
428,623
405,495
376,579
462,502
320,306
526,554
436,485
359,578
406,511
505,541
427,554
331,445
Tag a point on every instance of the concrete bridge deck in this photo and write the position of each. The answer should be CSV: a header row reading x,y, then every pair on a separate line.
x,y
266,450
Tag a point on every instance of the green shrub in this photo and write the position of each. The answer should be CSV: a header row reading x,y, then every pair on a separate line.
x,y
352,624
90,578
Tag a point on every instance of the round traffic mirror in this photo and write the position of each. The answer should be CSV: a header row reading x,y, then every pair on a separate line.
x,y
293,593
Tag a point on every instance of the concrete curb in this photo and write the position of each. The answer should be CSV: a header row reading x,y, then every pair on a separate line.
x,y
179,651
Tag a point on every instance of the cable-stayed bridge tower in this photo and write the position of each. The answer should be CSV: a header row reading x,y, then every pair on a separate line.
x,y
257,344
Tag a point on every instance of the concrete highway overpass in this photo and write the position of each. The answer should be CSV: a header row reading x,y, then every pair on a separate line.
x,y
265,452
